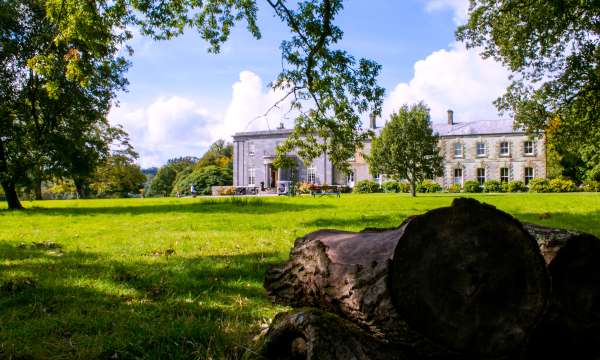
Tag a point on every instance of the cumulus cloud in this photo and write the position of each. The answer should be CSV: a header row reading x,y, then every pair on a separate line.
x,y
457,79
250,101
459,7
178,126
168,127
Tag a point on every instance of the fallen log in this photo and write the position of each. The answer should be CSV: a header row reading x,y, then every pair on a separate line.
x,y
572,323
312,334
463,281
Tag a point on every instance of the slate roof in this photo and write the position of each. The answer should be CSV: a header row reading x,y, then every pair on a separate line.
x,y
481,127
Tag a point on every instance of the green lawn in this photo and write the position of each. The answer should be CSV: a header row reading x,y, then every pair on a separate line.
x,y
182,278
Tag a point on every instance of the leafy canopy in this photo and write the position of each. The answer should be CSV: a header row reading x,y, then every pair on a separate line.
x,y
407,147
552,49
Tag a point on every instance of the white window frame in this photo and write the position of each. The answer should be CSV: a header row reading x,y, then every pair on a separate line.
x,y
528,178
481,179
311,175
507,177
350,177
507,153
251,176
531,147
251,149
483,147
459,147
459,178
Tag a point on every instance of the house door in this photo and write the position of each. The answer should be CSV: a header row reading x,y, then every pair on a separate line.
x,y
274,177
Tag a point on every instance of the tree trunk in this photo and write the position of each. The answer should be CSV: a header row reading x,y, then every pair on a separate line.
x,y
463,281
38,189
312,334
80,187
572,323
413,188
7,184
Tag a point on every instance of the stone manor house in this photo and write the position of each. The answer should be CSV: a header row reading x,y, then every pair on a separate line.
x,y
478,150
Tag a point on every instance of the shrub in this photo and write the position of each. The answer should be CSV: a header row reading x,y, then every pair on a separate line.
x,y
428,186
391,187
366,187
492,186
203,179
539,185
472,186
304,187
561,185
590,185
227,191
454,188
345,189
516,186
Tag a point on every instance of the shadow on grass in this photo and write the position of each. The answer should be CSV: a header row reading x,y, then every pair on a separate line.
x,y
365,221
87,305
232,205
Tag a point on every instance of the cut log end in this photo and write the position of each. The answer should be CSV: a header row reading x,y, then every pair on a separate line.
x,y
470,278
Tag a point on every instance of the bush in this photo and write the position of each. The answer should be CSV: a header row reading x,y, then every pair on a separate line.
x,y
454,188
492,186
590,185
203,179
538,185
227,191
516,186
391,187
561,185
304,187
472,186
366,187
428,186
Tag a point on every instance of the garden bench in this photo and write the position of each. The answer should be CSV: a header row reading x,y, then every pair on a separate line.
x,y
325,190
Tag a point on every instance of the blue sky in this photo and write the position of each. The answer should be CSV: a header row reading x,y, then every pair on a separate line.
x,y
181,98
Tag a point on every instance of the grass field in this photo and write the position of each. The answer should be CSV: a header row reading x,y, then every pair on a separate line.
x,y
182,278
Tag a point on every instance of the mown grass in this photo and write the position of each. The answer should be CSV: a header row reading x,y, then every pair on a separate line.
x,y
182,278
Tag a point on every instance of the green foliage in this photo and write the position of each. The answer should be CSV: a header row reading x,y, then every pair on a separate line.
x,y
162,183
118,176
515,186
472,186
407,147
561,185
551,47
591,186
366,187
538,185
492,186
396,187
203,179
454,188
428,186
218,154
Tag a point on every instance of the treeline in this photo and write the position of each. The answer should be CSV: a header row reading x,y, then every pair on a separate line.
x,y
214,168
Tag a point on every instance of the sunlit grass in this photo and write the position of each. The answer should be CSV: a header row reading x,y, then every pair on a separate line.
x,y
182,278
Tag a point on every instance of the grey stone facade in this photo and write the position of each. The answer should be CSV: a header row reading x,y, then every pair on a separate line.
x,y
504,154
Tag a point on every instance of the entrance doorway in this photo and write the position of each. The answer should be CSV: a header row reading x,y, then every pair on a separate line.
x,y
274,178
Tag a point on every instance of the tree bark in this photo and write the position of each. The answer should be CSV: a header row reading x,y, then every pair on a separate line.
x,y
312,334
572,322
38,190
7,184
463,281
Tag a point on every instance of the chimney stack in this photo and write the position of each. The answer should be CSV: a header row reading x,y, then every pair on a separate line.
x,y
450,117
373,121
281,126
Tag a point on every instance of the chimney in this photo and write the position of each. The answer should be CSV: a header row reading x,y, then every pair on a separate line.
x,y
373,118
281,126
450,117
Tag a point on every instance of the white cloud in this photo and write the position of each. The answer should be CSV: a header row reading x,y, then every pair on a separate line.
x,y
169,127
250,100
178,126
459,7
457,79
